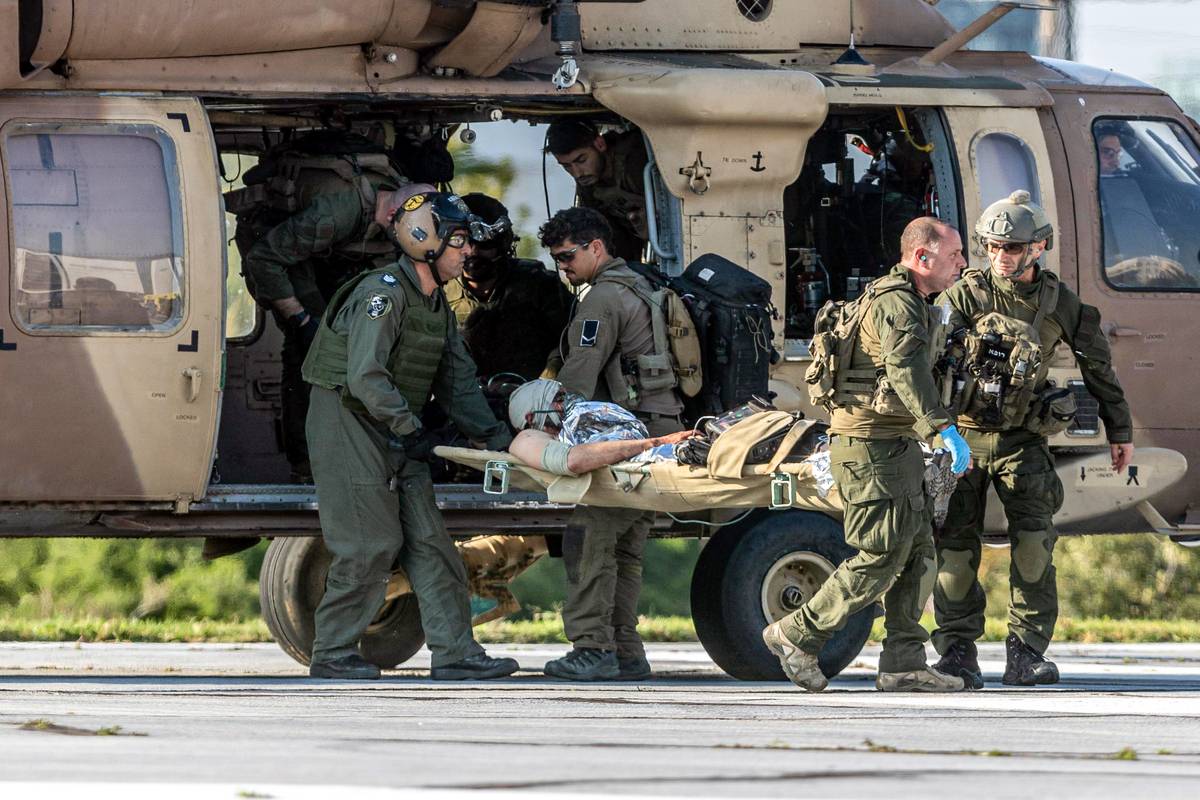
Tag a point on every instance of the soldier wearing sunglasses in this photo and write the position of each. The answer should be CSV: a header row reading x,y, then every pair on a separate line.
x,y
602,547
1012,316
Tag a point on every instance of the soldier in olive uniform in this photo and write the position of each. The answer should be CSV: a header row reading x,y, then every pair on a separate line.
x,y
386,342
1006,415
511,311
608,172
297,266
602,547
883,400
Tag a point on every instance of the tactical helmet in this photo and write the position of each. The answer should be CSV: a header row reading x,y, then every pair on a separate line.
x,y
425,222
1015,219
537,398
494,215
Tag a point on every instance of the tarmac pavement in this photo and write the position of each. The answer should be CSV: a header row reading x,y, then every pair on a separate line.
x,y
228,721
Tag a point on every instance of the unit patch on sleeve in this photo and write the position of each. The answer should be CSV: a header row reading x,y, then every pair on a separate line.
x,y
378,306
591,328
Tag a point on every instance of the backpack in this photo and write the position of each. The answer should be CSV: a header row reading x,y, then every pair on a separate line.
x,y
831,383
677,361
732,312
291,175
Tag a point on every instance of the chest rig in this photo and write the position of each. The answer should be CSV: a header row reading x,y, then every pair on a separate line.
x,y
1001,370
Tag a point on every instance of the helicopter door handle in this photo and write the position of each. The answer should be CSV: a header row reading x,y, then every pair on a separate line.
x,y
194,376
1114,330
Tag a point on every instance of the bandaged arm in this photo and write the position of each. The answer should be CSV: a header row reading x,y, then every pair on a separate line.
x,y
543,451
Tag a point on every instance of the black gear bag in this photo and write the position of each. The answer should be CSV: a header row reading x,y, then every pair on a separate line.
x,y
731,308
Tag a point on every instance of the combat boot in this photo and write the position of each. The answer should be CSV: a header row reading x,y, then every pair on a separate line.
x,y
1026,666
962,659
347,668
632,668
800,667
478,667
585,664
925,679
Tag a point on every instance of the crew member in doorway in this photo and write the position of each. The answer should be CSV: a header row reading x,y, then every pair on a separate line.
x,y
608,171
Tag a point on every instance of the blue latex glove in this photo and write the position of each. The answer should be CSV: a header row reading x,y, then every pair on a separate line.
x,y
958,448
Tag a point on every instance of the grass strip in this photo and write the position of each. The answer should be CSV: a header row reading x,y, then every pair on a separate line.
x,y
543,629
87,629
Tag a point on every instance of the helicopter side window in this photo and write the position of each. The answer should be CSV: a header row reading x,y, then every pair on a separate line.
x,y
1003,164
97,239
1148,174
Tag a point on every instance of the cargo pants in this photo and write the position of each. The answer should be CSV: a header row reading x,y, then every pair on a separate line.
x,y
367,527
881,482
602,551
1018,463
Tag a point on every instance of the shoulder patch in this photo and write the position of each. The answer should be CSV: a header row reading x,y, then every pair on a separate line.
x,y
378,306
388,278
591,329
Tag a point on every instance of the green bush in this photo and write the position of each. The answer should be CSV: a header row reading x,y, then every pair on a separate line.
x,y
139,578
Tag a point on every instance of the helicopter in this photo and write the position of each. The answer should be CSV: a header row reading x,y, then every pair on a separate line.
x,y
789,138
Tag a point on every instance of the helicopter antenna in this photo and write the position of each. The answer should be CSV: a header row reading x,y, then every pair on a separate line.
x,y
851,54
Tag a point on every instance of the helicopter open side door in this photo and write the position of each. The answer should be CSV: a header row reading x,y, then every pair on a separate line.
x,y
111,299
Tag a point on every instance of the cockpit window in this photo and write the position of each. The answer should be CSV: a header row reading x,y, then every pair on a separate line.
x,y
97,239
1149,189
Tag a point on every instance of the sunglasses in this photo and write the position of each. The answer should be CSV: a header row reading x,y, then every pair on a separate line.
x,y
456,240
1011,248
567,256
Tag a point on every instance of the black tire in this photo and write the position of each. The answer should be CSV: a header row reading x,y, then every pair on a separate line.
x,y
290,586
728,590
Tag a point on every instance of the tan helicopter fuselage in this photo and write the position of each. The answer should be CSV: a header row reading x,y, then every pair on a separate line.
x,y
118,386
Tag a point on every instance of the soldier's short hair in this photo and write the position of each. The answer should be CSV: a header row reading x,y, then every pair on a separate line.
x,y
922,232
577,224
564,137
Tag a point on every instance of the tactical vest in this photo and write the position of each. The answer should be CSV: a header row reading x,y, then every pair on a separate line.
x,y
415,355
676,360
832,383
1001,371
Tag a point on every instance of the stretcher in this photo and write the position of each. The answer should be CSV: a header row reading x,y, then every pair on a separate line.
x,y
663,486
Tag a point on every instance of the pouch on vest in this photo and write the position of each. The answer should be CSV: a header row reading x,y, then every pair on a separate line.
x,y
1052,412
1003,365
677,361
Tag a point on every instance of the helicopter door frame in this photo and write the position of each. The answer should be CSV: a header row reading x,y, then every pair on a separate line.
x,y
112,299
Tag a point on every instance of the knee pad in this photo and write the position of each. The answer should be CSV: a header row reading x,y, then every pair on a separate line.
x,y
1031,553
955,576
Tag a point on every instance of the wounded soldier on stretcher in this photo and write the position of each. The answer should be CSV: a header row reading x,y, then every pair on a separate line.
x,y
563,434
